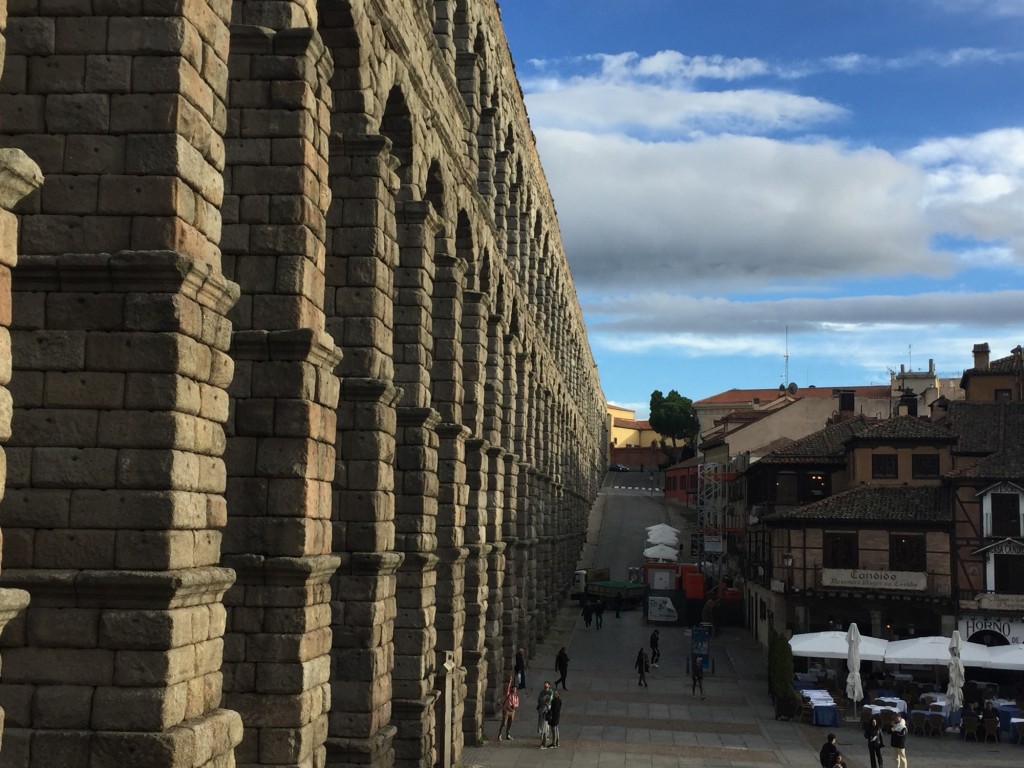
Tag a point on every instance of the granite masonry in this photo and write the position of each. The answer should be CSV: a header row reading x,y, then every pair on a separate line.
x,y
301,421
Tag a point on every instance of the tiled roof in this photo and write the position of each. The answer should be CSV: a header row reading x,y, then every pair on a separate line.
x,y
631,424
999,366
993,428
906,428
875,503
741,396
828,444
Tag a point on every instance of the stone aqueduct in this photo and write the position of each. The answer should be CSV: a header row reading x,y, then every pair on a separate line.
x,y
304,423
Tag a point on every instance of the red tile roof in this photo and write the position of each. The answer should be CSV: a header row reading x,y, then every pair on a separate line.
x,y
744,396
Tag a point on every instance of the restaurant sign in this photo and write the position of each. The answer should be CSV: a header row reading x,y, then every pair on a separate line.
x,y
991,629
845,578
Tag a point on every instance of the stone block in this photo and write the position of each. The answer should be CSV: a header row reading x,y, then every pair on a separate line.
x,y
93,153
56,427
16,701
59,666
162,392
49,350
62,627
74,467
31,36
148,630
78,113
155,668
138,709
56,74
70,194
74,549
83,389
161,550
66,748
64,707
293,677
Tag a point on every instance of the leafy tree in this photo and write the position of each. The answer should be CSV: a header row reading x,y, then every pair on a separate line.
x,y
672,416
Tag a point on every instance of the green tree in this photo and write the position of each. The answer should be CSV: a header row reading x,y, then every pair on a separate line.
x,y
672,417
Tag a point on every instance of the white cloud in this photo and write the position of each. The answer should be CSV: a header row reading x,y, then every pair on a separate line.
x,y
731,209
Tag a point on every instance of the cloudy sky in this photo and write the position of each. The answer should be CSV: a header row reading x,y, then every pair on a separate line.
x,y
725,170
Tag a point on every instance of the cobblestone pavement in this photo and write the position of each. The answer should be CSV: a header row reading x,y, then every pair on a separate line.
x,y
608,721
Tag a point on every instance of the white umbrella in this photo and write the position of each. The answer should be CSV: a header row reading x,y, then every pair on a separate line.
x,y
1004,657
955,689
934,650
854,689
661,552
661,527
833,645
660,537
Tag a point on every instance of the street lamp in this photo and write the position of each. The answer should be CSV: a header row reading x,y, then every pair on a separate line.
x,y
787,559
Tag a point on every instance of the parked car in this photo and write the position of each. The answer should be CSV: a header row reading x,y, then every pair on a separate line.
x,y
618,468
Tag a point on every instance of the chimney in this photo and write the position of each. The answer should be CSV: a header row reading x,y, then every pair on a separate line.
x,y
981,357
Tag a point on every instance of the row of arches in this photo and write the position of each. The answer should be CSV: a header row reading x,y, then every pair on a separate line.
x,y
305,423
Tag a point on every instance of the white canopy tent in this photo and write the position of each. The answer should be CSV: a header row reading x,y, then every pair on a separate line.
x,y
1004,657
661,527
934,650
833,645
662,537
661,552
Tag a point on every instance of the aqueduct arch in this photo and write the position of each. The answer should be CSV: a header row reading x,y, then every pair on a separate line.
x,y
305,424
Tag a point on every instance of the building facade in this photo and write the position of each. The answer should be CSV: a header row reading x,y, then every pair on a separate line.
x,y
305,421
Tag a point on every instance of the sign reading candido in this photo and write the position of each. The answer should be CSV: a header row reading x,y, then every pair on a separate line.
x,y
847,579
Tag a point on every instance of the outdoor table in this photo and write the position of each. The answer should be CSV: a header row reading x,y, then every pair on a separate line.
x,y
875,710
885,693
900,704
823,708
1006,714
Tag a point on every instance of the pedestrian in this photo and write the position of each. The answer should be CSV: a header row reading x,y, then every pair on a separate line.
x,y
520,669
599,613
899,740
873,733
509,705
642,666
562,667
588,613
543,705
655,652
618,603
554,716
697,676
829,750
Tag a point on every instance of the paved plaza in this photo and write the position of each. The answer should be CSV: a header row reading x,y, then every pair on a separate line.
x,y
608,721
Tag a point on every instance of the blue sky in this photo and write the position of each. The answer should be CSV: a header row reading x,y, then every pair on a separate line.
x,y
852,170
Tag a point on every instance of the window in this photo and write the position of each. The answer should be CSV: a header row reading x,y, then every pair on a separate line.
x,y
884,465
841,550
1003,395
1005,514
786,488
925,465
1009,572
907,552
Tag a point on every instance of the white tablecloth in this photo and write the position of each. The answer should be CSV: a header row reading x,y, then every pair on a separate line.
x,y
900,704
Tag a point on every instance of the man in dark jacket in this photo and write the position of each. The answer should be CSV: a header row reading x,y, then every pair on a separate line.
x,y
655,651
554,716
829,750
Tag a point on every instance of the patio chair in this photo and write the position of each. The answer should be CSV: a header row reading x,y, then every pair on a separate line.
x,y
917,723
806,711
935,707
1020,733
991,728
969,727
935,724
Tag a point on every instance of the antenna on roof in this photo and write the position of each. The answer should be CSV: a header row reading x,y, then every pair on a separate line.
x,y
785,375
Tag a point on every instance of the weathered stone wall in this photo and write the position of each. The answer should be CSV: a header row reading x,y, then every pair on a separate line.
x,y
305,421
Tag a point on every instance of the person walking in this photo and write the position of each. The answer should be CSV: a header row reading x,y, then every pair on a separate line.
x,y
562,666
697,676
829,750
642,666
599,613
543,705
554,716
655,652
873,733
588,613
618,603
899,740
520,669
509,705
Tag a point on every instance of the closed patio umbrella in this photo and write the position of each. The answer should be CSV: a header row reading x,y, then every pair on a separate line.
x,y
955,689
854,688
